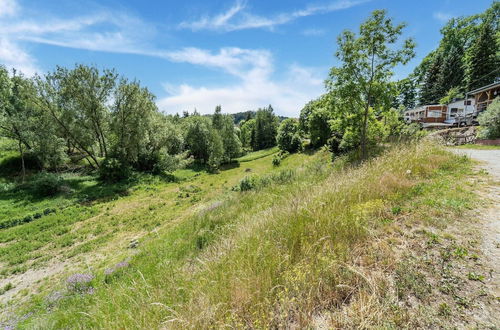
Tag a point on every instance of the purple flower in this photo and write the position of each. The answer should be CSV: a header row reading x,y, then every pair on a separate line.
x,y
122,264
80,283
118,266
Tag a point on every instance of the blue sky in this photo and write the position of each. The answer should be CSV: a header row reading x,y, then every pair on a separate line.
x,y
198,53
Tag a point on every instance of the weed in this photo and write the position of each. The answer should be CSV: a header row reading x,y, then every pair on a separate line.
x,y
475,277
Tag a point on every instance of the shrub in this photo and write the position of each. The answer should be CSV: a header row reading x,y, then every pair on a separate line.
x,y
490,121
276,160
248,183
288,137
412,132
114,170
47,184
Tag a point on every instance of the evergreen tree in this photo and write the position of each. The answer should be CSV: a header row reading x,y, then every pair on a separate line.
x,y
431,90
483,61
217,118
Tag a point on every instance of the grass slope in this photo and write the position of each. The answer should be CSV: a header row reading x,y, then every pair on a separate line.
x,y
306,247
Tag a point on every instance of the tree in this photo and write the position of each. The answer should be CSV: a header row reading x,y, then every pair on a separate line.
x,y
483,59
231,144
452,94
319,127
77,100
432,90
132,116
22,121
406,97
362,82
217,118
266,127
248,133
288,135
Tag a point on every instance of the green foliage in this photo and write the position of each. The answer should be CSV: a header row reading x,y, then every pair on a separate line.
x,y
362,83
483,57
412,131
247,133
114,170
131,121
231,144
288,135
406,97
452,94
276,160
490,121
319,126
467,57
266,127
46,184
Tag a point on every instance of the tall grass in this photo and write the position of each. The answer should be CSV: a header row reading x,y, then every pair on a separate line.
x,y
279,256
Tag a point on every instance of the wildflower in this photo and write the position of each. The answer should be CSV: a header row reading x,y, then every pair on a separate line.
x,y
80,283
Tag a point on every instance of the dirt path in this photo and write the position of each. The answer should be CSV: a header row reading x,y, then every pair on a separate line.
x,y
490,216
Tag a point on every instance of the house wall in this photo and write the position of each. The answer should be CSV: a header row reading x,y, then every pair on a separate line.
x,y
435,114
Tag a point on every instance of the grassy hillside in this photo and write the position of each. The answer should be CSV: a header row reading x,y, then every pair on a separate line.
x,y
305,246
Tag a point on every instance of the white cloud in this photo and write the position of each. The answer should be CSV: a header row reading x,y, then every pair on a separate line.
x,y
255,89
8,7
313,32
117,32
442,17
239,18
104,30
13,56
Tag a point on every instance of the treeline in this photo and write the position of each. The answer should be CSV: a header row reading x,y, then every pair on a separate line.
x,y
115,126
468,57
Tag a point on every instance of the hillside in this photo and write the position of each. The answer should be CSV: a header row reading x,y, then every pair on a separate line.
x,y
307,245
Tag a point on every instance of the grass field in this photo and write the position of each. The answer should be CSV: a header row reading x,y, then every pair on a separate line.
x,y
293,249
90,222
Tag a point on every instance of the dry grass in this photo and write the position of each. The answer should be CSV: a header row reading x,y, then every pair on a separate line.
x,y
322,250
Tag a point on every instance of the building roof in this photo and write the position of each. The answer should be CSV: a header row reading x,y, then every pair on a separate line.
x,y
485,88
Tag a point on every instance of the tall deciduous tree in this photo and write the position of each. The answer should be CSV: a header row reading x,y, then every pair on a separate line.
x,y
132,116
363,81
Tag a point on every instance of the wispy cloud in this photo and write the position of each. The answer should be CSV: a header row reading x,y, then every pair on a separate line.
x,y
238,17
313,32
442,17
8,7
256,86
111,31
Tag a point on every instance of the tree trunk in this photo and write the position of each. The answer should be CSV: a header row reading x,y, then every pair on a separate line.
x,y
363,132
23,168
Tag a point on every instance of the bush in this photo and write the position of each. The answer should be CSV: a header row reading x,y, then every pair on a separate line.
x,y
412,132
490,121
114,170
47,184
276,160
288,136
248,183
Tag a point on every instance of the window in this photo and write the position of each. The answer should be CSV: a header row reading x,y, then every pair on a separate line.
x,y
434,114
467,102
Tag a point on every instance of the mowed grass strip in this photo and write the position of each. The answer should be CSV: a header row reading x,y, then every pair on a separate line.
x,y
278,256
